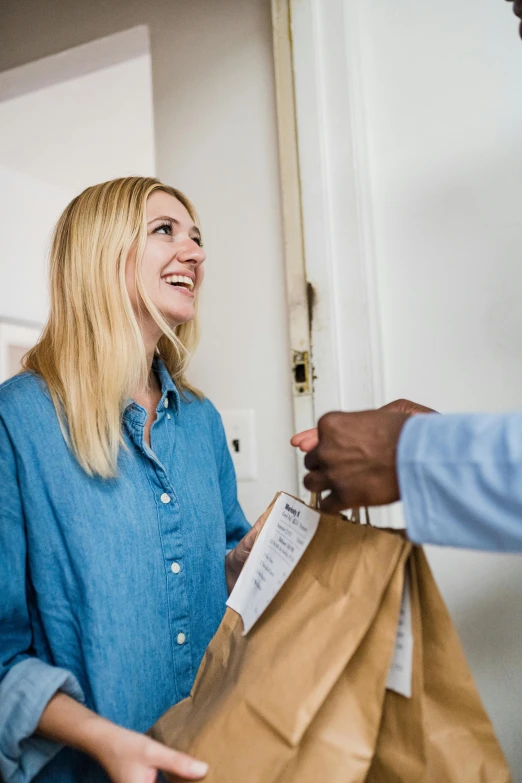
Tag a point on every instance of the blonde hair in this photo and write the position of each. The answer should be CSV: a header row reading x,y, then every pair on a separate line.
x,y
91,353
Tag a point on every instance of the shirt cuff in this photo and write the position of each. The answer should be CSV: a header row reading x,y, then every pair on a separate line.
x,y
25,691
415,499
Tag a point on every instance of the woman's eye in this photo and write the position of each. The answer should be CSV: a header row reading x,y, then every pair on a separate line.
x,y
165,228
198,241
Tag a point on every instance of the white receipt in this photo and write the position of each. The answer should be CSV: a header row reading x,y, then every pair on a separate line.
x,y
278,548
401,669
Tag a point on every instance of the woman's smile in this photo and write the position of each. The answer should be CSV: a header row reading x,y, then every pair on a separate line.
x,y
183,284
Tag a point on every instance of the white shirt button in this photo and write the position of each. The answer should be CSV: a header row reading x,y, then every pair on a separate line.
x,y
181,638
168,415
166,402
175,568
165,498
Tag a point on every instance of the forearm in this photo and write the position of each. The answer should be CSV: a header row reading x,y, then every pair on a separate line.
x,y
68,722
125,755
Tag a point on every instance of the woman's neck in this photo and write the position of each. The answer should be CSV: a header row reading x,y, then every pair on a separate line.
x,y
152,386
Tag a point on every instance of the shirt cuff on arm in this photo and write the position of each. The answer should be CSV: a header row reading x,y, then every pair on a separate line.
x,y
415,499
25,691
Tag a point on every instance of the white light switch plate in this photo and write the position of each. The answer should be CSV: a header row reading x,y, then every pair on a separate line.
x,y
240,429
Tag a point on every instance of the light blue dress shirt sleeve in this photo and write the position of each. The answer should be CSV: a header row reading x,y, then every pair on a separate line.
x,y
26,683
460,478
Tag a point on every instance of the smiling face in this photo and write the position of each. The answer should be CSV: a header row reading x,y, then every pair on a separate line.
x,y
171,267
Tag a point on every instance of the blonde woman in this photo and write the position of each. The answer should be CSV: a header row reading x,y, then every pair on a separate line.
x,y
117,499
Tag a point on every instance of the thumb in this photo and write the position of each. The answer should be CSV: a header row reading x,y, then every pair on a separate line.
x,y
247,542
305,440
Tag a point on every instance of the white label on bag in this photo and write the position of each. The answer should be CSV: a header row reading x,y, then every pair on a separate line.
x,y
282,541
401,669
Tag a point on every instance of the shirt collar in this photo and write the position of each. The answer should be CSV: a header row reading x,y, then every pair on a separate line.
x,y
168,387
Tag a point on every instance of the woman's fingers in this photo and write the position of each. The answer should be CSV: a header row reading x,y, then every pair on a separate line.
x,y
130,757
244,547
236,559
168,760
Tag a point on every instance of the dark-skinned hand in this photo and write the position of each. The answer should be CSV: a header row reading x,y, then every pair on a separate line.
x,y
354,455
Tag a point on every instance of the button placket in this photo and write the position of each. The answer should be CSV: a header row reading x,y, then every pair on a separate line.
x,y
176,587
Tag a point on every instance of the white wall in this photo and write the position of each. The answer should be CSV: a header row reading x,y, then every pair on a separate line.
x,y
29,207
83,130
224,155
216,139
54,142
442,90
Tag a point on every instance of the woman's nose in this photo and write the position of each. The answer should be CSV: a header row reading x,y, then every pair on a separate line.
x,y
192,253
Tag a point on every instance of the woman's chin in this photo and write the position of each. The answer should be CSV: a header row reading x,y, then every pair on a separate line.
x,y
179,316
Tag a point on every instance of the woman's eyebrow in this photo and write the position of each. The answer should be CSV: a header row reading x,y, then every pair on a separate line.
x,y
176,222
164,217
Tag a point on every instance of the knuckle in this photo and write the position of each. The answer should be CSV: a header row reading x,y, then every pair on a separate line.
x,y
327,422
149,752
397,405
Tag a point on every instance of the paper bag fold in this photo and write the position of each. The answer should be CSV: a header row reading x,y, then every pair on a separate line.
x,y
302,698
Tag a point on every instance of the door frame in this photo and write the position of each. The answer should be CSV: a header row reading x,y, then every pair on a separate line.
x,y
329,250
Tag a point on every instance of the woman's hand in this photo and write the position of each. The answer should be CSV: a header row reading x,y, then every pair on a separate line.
x,y
129,757
126,756
236,559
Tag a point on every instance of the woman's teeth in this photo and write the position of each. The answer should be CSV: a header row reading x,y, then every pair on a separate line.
x,y
180,280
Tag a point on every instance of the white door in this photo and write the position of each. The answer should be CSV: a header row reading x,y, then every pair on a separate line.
x,y
409,122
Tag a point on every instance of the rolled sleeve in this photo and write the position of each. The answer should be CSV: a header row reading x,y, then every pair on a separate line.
x,y
460,479
26,683
25,691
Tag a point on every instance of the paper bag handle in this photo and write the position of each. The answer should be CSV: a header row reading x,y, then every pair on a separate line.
x,y
315,500
355,515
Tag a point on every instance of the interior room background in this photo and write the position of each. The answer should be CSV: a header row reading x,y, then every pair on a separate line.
x,y
184,89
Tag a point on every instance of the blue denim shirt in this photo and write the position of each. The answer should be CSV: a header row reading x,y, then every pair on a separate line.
x,y
110,589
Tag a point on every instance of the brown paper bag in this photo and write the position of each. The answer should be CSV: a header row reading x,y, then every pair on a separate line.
x,y
302,698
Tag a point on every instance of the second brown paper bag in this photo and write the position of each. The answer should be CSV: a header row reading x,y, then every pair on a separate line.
x,y
302,697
